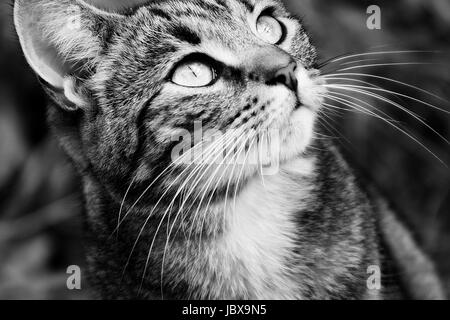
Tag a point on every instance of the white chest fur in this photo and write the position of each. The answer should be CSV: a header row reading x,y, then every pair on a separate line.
x,y
253,254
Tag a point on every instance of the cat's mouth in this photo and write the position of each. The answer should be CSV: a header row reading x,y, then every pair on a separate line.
x,y
311,88
292,131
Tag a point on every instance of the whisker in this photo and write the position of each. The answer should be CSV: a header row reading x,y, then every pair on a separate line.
x,y
187,180
233,145
205,212
216,143
122,204
358,61
242,148
340,94
394,81
209,180
206,188
156,205
242,142
236,188
169,168
411,137
323,136
361,90
358,81
346,57
167,211
404,132
331,128
260,149
367,112
357,107
391,64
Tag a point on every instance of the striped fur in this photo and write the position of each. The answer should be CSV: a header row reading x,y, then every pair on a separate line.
x,y
309,231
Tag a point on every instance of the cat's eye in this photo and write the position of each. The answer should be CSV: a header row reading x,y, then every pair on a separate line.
x,y
269,29
194,74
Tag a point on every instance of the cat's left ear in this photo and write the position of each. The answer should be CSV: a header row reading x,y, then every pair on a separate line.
x,y
61,40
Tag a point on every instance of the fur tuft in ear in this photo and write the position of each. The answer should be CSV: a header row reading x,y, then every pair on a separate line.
x,y
60,39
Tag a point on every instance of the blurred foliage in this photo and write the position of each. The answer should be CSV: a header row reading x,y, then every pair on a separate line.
x,y
40,198
40,201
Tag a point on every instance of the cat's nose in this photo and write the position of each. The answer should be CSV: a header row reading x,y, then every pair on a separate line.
x,y
272,66
286,76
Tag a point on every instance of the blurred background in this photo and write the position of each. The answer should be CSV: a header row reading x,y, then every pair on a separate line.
x,y
40,200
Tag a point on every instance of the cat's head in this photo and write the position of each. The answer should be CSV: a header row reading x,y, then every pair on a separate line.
x,y
130,84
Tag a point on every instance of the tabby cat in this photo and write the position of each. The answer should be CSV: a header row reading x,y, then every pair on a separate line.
x,y
261,206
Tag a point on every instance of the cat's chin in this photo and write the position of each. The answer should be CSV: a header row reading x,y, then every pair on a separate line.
x,y
288,141
300,133
264,152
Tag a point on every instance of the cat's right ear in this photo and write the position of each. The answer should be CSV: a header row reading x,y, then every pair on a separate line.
x,y
61,39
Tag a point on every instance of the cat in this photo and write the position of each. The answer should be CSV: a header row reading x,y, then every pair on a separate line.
x,y
128,88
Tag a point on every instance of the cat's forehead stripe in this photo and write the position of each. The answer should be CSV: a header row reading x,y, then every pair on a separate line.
x,y
160,13
185,34
191,7
207,6
203,10
248,4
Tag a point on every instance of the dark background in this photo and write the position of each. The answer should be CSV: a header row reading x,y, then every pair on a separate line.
x,y
40,201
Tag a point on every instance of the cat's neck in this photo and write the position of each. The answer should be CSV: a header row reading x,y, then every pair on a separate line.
x,y
278,230
260,237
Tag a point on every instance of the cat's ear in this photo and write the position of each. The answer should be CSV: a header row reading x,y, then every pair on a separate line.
x,y
61,39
